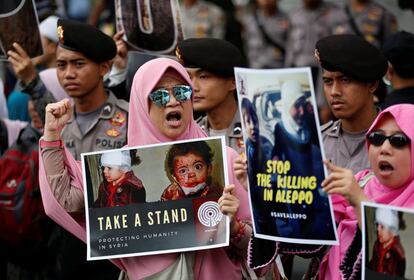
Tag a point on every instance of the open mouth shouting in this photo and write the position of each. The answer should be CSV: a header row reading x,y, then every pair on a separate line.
x,y
385,168
174,118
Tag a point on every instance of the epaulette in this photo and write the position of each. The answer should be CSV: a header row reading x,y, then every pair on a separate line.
x,y
124,105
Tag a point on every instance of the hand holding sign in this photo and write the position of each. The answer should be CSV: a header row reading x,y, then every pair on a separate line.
x,y
342,181
240,169
22,64
229,203
121,58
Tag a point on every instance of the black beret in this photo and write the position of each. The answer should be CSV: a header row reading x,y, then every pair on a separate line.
x,y
214,55
351,55
86,39
399,50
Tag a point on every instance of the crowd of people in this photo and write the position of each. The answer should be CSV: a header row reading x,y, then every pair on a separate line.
x,y
81,97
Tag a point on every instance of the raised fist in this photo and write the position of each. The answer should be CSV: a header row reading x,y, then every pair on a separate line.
x,y
57,115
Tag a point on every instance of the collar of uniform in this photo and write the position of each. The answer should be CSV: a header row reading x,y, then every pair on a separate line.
x,y
334,129
72,118
235,126
203,123
108,109
234,129
111,101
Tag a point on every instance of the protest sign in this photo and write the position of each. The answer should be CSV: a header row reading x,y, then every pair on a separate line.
x,y
284,155
150,26
19,23
387,242
155,199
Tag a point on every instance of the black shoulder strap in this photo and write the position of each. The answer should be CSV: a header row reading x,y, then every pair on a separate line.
x,y
4,143
352,22
358,32
267,37
327,125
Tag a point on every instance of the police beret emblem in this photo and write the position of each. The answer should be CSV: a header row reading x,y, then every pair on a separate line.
x,y
178,55
60,34
317,56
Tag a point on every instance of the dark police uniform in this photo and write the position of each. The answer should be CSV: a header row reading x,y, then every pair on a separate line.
x,y
358,59
192,54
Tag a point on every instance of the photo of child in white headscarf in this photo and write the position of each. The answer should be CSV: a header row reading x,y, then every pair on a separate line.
x,y
120,186
387,243
388,254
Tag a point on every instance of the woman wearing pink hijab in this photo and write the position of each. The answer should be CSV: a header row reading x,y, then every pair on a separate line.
x,y
160,110
391,181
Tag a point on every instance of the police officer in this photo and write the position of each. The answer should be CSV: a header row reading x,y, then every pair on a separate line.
x,y
368,19
399,50
352,68
100,119
314,20
214,86
265,32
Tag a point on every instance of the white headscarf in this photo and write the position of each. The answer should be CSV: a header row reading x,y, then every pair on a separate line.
x,y
387,218
291,91
120,159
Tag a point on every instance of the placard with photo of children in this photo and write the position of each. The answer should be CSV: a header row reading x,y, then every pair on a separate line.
x,y
387,242
155,199
19,23
152,27
284,156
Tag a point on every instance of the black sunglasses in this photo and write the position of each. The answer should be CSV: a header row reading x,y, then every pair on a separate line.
x,y
161,96
397,140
